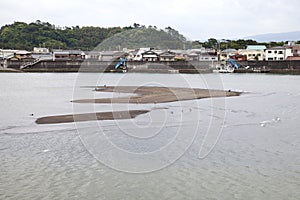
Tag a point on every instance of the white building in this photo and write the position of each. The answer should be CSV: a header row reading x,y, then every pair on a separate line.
x,y
40,50
225,54
139,56
278,53
254,52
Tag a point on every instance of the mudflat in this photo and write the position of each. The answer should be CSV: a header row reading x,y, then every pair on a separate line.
x,y
146,95
136,95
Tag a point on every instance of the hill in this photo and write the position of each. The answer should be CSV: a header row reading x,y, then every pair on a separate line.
x,y
276,37
20,35
145,37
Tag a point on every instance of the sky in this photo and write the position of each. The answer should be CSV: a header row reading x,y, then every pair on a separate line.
x,y
195,19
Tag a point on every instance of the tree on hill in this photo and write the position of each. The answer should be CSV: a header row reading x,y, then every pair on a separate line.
x,y
145,37
20,35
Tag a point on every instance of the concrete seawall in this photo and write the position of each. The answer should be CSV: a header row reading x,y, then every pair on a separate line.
x,y
155,67
107,66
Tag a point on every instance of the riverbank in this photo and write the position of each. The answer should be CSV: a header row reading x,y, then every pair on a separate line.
x,y
195,67
9,70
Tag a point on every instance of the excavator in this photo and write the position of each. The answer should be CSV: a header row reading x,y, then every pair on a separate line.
x,y
230,67
121,65
233,63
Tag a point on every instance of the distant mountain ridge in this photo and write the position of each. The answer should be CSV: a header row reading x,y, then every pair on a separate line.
x,y
276,37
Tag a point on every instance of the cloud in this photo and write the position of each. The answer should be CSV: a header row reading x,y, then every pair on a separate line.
x,y
196,19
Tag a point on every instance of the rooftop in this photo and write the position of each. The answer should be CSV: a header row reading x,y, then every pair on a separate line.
x,y
256,47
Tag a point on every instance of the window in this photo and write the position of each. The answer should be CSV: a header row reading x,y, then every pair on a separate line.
x,y
270,58
269,51
275,51
280,52
280,58
259,54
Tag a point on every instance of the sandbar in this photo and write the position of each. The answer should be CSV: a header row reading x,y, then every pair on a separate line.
x,y
136,95
90,117
147,95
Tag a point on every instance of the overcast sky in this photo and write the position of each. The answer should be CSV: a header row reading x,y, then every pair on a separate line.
x,y
196,19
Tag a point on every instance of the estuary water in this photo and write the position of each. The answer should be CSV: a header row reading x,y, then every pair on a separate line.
x,y
245,147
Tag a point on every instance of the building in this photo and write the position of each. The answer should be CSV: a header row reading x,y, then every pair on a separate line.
x,y
139,56
40,50
256,47
293,58
225,54
278,53
192,56
252,54
149,56
111,55
71,55
22,55
7,53
132,55
208,56
295,48
167,56
239,57
92,55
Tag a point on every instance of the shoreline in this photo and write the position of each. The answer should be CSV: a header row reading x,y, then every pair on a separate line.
x,y
188,67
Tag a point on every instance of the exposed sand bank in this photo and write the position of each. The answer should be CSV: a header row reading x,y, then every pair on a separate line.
x,y
90,117
139,95
145,95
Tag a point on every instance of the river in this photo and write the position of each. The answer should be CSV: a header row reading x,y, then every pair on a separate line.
x,y
250,143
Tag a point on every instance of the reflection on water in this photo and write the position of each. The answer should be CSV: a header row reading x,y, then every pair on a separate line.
x,y
256,157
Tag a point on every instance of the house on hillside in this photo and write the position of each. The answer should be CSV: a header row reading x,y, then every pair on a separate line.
x,y
278,53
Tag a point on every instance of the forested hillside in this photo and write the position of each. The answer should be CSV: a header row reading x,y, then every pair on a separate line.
x,y
146,37
20,35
